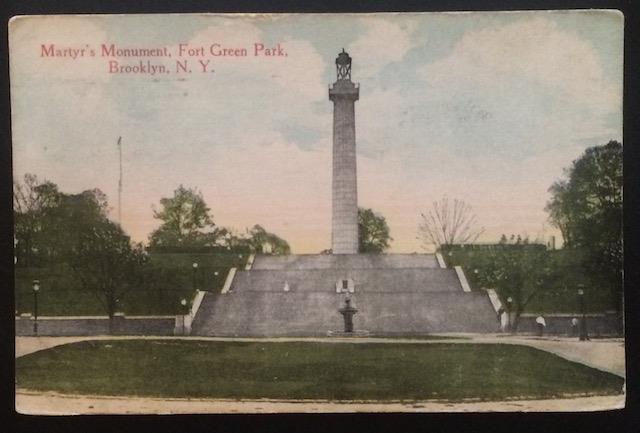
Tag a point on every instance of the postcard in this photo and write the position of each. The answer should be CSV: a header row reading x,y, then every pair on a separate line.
x,y
269,213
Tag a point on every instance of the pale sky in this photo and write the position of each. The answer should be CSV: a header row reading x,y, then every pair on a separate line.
x,y
485,107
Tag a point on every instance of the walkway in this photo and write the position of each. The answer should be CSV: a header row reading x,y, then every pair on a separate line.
x,y
57,404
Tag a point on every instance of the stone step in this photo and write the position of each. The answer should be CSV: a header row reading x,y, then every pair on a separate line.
x,y
362,280
315,313
345,261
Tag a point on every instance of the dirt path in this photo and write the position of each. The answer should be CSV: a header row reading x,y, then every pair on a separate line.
x,y
57,404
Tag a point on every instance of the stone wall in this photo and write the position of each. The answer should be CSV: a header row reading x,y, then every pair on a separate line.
x,y
598,325
98,325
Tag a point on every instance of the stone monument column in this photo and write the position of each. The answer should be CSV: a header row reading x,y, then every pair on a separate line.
x,y
344,93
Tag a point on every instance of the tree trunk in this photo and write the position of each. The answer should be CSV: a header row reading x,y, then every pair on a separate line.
x,y
111,311
26,259
516,321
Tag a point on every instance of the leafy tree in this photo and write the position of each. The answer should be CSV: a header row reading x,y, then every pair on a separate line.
x,y
186,221
513,239
106,263
263,242
586,207
448,223
515,272
32,200
373,232
99,253
47,220
74,230
519,271
528,273
73,215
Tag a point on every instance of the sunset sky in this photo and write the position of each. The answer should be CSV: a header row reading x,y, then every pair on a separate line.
x,y
485,107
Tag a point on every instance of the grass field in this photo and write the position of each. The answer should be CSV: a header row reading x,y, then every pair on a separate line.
x,y
300,370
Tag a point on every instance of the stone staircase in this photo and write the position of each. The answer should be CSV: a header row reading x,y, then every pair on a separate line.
x,y
296,296
345,261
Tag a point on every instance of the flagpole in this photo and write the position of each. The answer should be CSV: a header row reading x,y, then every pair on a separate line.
x,y
120,181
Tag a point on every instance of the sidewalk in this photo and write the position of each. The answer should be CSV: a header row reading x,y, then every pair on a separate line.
x,y
603,354
57,404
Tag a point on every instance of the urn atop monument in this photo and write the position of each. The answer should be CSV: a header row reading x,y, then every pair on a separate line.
x,y
343,66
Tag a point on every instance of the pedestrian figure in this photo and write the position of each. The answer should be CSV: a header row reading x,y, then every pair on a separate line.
x,y
574,327
541,323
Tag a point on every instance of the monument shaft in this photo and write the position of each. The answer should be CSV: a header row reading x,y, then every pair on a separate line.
x,y
343,94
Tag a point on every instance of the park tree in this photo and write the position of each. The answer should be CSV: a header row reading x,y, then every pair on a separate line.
x,y
256,239
532,277
47,220
98,252
32,201
186,221
264,242
448,223
73,216
586,206
106,263
519,272
73,231
373,232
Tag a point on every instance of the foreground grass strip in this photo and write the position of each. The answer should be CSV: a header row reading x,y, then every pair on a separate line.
x,y
301,370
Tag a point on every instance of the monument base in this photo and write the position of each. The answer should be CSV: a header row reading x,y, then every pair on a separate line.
x,y
357,333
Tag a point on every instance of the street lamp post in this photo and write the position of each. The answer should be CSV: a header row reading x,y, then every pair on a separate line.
x,y
36,288
584,335
183,302
509,303
195,270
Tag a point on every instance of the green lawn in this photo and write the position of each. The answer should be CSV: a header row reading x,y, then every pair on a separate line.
x,y
301,370
420,337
